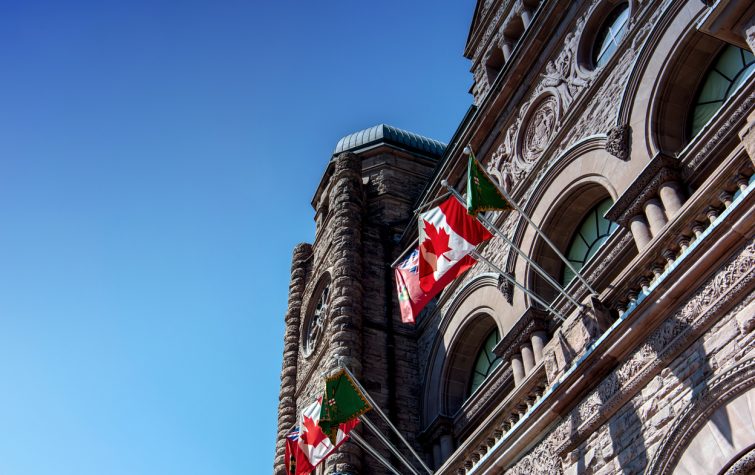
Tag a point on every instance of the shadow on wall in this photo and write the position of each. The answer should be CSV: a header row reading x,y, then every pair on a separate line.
x,y
622,442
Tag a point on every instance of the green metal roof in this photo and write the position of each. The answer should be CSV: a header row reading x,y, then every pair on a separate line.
x,y
387,134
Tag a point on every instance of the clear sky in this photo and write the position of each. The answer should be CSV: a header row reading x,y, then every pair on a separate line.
x,y
157,161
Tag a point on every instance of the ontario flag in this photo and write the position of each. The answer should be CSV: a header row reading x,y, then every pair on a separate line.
x,y
447,234
411,298
314,446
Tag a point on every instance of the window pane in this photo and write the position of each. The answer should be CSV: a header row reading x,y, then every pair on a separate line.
x,y
592,232
610,35
732,67
714,89
486,361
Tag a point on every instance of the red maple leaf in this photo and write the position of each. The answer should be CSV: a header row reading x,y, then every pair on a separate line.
x,y
436,242
313,435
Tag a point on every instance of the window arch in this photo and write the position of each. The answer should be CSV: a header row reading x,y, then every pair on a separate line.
x,y
591,233
610,35
485,362
730,69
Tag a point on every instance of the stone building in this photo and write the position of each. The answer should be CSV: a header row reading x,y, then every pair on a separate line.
x,y
626,131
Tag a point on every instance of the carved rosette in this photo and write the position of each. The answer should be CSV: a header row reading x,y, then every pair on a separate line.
x,y
540,129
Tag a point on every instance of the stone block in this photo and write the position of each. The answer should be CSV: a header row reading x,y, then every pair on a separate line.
x,y
664,415
717,340
746,318
572,340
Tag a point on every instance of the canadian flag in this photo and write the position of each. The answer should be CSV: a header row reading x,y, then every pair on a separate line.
x,y
447,234
314,445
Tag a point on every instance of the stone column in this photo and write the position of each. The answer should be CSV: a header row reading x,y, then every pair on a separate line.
x,y
287,401
526,17
656,216
638,225
538,338
345,328
517,368
446,446
528,358
506,47
671,197
437,459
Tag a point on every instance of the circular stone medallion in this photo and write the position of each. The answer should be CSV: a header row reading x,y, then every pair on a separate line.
x,y
316,321
540,129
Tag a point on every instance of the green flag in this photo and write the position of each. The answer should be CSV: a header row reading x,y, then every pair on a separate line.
x,y
482,193
342,402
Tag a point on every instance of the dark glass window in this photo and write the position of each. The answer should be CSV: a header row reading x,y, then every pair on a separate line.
x,y
610,35
486,361
730,69
590,235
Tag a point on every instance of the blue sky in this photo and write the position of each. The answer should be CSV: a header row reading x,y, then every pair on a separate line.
x,y
157,160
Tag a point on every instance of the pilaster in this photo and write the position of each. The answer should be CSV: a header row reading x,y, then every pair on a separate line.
x,y
287,401
345,338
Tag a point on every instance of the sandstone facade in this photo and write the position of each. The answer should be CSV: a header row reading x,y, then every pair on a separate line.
x,y
655,371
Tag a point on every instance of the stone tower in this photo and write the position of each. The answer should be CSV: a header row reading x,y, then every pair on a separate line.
x,y
341,304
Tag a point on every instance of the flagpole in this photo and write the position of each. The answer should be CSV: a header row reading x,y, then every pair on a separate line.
x,y
403,253
500,234
524,289
388,421
388,443
430,203
370,450
513,204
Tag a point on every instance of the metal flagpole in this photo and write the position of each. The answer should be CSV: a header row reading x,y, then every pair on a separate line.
x,y
430,203
403,253
468,150
388,443
370,450
524,289
388,421
489,224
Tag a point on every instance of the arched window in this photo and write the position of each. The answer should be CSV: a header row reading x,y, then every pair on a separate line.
x,y
486,361
591,233
610,35
730,69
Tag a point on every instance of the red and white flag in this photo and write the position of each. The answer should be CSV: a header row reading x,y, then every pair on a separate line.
x,y
411,298
314,445
447,234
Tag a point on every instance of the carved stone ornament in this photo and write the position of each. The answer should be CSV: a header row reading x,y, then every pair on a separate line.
x,y
618,141
317,321
506,287
540,129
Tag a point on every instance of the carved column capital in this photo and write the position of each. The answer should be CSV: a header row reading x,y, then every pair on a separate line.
x,y
660,170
